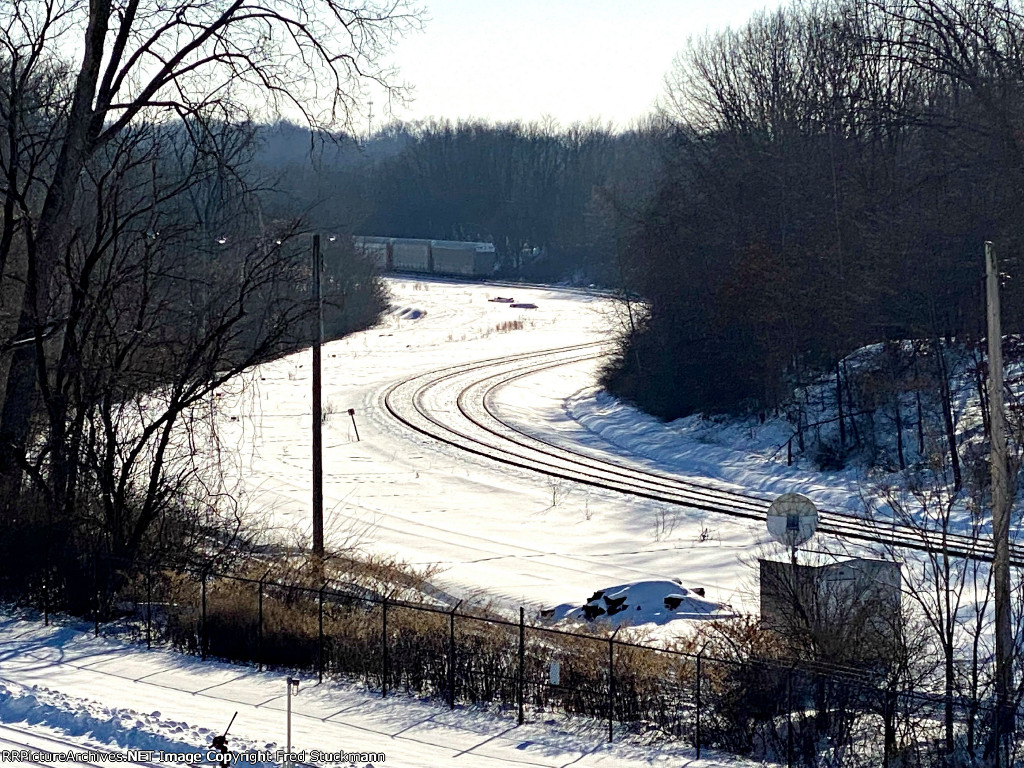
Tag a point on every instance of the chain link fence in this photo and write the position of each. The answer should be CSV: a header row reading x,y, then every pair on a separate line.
x,y
789,713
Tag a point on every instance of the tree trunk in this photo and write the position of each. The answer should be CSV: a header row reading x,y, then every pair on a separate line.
x,y
899,433
920,424
949,695
839,404
979,382
850,409
947,414
28,366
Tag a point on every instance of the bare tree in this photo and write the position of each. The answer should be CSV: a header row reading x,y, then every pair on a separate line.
x,y
951,593
125,456
128,395
32,109
144,60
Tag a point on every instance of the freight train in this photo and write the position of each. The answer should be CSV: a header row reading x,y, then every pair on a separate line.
x,y
436,257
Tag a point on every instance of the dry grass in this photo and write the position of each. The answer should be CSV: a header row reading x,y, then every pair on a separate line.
x,y
651,686
371,635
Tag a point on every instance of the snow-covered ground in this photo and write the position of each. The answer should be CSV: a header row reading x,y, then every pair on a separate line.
x,y
63,691
508,535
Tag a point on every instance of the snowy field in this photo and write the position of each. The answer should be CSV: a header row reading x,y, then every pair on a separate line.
x,y
502,534
510,536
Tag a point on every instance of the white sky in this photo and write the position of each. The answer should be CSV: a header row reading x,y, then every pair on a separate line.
x,y
571,60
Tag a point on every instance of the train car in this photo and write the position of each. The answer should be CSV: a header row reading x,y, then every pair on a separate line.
x,y
411,255
465,259
438,257
376,249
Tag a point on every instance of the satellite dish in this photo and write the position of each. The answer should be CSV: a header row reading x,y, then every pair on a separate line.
x,y
792,519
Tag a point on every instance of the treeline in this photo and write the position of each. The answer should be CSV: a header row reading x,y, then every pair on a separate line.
x,y
834,172
554,201
820,179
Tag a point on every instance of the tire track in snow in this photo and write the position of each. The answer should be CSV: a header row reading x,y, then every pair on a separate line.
x,y
488,549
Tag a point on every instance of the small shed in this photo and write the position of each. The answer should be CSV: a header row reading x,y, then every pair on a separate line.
x,y
849,609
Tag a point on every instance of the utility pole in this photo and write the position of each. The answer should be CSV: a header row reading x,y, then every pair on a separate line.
x,y
292,685
1000,497
318,443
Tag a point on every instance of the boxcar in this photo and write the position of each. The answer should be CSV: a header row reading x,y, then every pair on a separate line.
x,y
440,257
410,255
376,249
462,258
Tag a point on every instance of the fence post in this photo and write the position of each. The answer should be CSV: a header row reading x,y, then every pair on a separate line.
x,y
451,656
611,683
149,605
320,637
521,680
789,718
384,649
789,452
998,715
697,729
259,629
96,589
202,634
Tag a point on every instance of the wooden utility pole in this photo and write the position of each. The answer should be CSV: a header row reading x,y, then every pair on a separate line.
x,y
318,443
1000,496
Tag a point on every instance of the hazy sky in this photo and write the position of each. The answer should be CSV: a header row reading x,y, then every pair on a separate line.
x,y
572,60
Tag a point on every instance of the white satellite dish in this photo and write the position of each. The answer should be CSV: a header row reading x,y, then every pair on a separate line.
x,y
792,519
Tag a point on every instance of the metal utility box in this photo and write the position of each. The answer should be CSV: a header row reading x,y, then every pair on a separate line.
x,y
849,609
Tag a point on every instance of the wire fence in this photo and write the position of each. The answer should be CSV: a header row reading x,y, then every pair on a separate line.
x,y
792,713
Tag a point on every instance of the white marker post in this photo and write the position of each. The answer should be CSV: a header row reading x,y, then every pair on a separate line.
x,y
293,682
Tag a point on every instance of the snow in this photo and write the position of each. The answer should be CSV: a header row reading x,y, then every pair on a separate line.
x,y
509,536
642,602
98,694
741,455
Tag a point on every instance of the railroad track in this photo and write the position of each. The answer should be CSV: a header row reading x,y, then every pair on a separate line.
x,y
473,426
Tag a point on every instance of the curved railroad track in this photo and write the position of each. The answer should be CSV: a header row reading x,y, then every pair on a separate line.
x,y
454,405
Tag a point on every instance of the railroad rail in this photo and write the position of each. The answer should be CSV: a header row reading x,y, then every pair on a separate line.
x,y
474,426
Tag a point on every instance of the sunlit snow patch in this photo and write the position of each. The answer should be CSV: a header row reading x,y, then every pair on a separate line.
x,y
641,602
